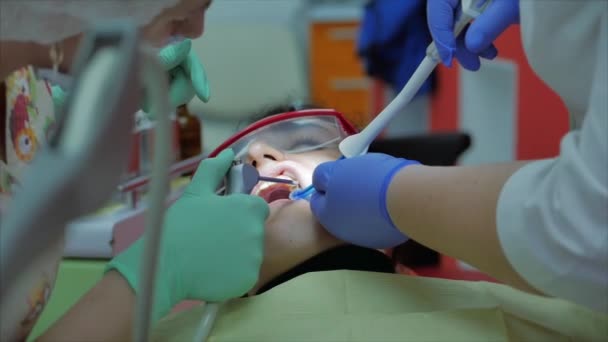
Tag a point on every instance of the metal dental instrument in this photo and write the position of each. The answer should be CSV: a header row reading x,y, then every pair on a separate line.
x,y
358,144
276,180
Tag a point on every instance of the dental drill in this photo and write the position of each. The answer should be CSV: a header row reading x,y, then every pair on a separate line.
x,y
83,162
241,179
358,144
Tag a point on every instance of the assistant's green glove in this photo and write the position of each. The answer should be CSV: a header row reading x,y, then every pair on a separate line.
x,y
59,97
212,246
187,76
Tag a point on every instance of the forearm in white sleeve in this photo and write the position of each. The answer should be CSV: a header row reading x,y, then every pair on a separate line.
x,y
552,215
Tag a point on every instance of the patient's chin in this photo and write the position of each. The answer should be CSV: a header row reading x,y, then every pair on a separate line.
x,y
287,213
293,235
292,223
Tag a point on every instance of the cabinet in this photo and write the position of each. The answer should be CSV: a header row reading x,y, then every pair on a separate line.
x,y
337,76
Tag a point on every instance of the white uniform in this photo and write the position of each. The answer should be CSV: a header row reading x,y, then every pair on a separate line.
x,y
553,214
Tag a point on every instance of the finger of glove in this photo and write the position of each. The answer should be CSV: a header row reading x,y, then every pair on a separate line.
x,y
489,25
59,96
322,175
440,15
174,54
489,53
318,203
467,59
180,90
198,76
210,173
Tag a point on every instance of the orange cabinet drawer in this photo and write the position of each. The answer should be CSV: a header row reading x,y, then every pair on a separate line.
x,y
334,43
351,96
337,77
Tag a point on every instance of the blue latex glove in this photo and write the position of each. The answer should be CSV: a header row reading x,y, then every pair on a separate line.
x,y
350,201
476,41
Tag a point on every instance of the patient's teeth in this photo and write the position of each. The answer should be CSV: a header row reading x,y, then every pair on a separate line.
x,y
263,184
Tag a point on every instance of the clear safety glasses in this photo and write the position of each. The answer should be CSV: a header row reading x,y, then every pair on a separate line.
x,y
292,133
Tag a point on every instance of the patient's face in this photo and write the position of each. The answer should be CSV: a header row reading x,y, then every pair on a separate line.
x,y
293,234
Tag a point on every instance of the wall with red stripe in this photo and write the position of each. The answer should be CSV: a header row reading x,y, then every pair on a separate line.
x,y
541,117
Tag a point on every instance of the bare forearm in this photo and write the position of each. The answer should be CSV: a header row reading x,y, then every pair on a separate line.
x,y
105,313
453,210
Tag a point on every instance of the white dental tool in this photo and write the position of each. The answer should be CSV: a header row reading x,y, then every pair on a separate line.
x,y
358,144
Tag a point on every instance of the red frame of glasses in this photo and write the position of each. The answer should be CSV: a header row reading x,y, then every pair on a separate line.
x,y
347,126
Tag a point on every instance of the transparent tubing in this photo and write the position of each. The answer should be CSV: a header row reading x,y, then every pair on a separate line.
x,y
208,319
155,82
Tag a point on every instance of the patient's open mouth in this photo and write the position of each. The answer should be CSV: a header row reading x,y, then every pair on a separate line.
x,y
275,192
271,192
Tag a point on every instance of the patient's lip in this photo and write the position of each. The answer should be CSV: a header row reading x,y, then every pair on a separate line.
x,y
285,168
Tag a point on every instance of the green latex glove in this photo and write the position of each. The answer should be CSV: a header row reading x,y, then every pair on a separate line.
x,y
59,97
212,246
187,76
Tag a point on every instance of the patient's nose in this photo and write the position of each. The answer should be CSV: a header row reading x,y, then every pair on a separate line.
x,y
260,153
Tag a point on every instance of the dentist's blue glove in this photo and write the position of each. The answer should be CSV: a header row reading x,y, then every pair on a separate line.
x,y
350,201
477,39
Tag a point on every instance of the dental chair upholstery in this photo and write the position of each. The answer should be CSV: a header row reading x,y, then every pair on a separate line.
x,y
434,149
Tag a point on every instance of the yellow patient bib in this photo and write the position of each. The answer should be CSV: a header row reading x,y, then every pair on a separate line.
x,y
363,306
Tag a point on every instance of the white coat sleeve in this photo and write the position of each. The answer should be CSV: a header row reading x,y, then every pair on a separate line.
x,y
552,215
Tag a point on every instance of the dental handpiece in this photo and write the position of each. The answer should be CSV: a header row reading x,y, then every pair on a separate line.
x,y
241,179
358,144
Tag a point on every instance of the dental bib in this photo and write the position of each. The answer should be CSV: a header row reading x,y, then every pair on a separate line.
x,y
369,306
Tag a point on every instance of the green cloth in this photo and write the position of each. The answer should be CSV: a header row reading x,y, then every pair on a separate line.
x,y
365,306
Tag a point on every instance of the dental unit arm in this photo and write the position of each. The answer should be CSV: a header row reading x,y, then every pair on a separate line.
x,y
84,161
358,144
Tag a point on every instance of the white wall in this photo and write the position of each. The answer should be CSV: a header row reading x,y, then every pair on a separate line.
x,y
488,105
254,10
